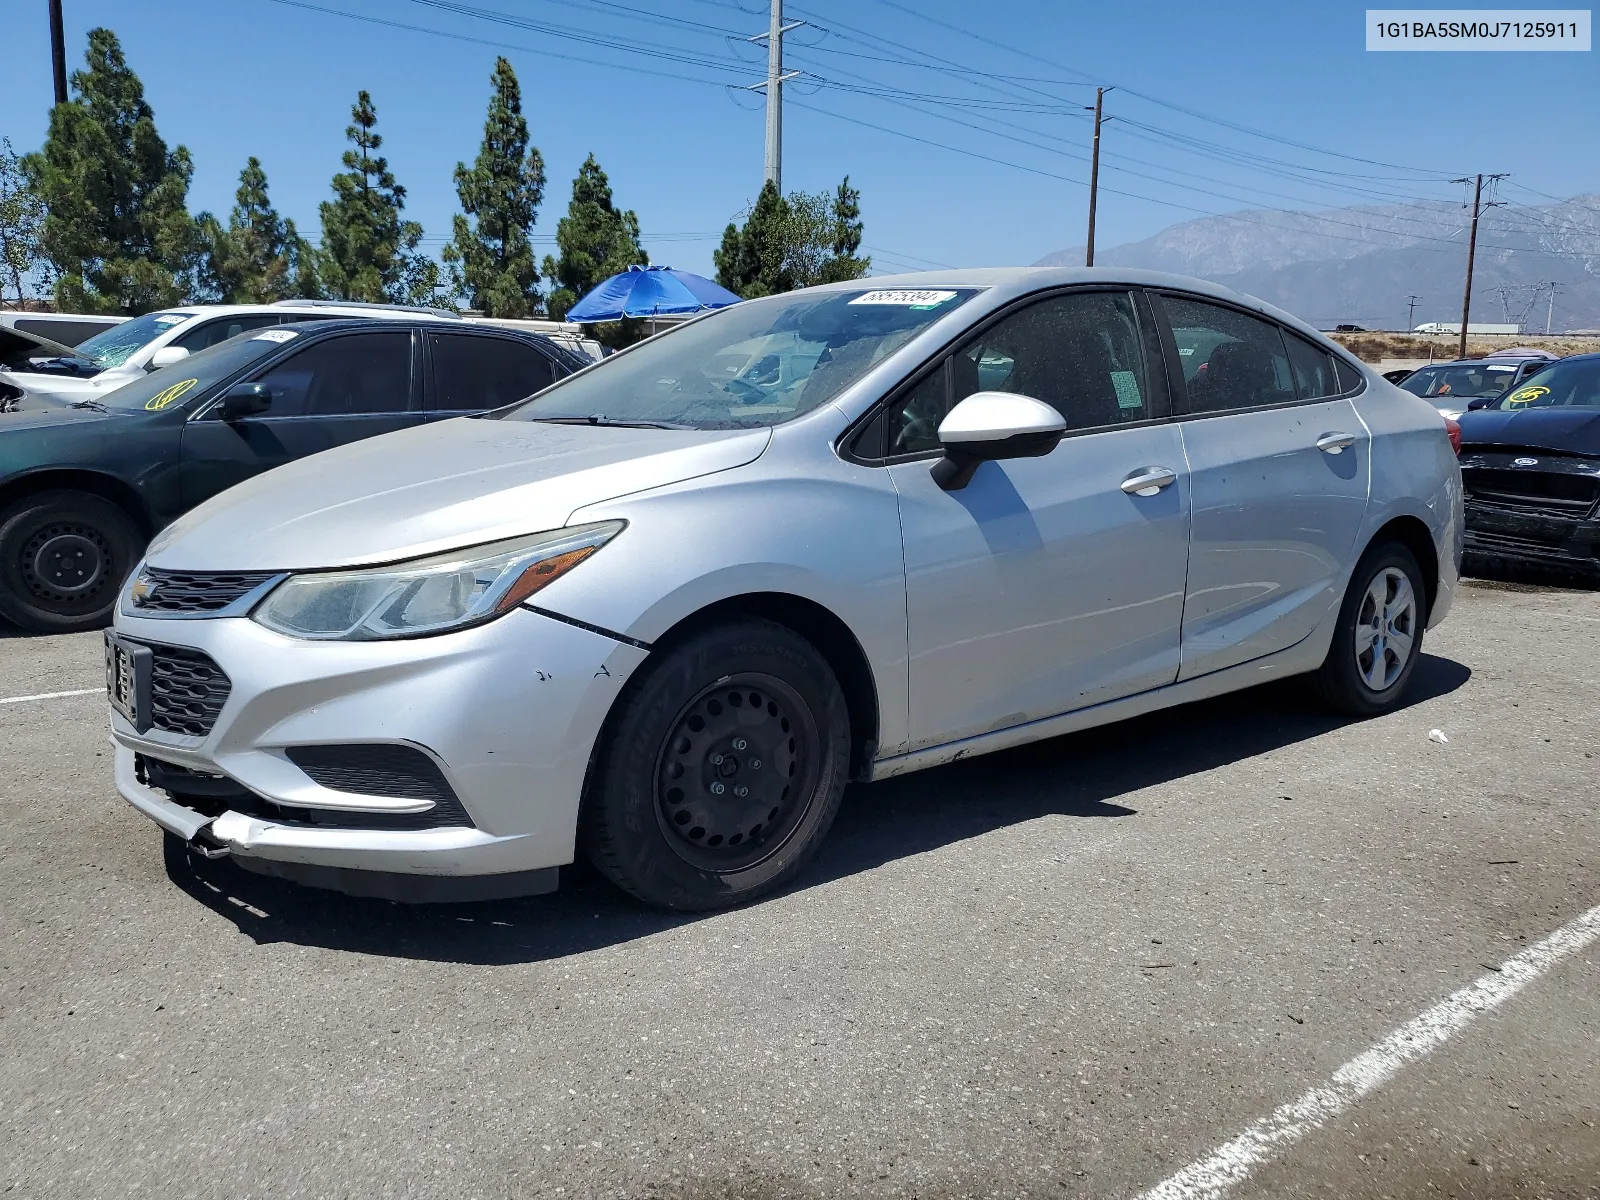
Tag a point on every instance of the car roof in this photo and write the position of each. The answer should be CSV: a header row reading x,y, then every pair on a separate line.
x,y
353,309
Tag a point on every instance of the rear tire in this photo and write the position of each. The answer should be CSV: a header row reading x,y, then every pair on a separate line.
x,y
721,769
1378,639
63,557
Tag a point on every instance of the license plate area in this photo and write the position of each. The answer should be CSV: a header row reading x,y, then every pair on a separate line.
x,y
128,673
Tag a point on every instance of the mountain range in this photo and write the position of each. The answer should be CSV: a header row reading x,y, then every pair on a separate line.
x,y
1360,264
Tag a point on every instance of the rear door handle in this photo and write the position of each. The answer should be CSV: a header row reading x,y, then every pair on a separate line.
x,y
1332,443
1147,481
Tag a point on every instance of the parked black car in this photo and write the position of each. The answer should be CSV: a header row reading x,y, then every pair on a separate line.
x,y
1530,462
84,486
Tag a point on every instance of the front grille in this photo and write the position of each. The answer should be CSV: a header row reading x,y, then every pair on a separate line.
x,y
1547,492
401,772
173,593
187,690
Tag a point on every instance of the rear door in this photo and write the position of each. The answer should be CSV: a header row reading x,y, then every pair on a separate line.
x,y
475,372
335,390
1279,466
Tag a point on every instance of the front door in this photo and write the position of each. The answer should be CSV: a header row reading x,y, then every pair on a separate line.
x,y
336,390
1279,468
1044,585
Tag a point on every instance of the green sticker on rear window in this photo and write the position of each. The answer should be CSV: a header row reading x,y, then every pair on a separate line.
x,y
1127,385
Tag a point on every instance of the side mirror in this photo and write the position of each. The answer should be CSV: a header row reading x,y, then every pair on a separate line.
x,y
1481,402
244,400
993,425
166,356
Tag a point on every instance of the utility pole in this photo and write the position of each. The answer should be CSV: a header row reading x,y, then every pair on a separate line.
x,y
1094,173
1472,253
58,52
773,87
1550,310
1411,312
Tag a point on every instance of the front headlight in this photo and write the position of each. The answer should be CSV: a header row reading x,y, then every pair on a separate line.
x,y
428,595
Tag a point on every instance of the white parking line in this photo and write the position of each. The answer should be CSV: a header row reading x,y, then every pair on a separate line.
x,y
1215,1174
52,695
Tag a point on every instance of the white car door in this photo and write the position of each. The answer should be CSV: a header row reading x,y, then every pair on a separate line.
x,y
1045,584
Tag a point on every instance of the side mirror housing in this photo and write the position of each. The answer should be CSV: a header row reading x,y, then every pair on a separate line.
x,y
166,356
993,425
244,400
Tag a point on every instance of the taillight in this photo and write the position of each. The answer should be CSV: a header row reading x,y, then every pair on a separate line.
x,y
1453,428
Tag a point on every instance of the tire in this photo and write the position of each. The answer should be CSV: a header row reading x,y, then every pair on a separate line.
x,y
750,705
63,557
1352,679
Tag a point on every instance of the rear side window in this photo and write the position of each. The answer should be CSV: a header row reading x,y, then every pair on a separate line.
x,y
1313,369
1349,378
1230,360
1080,353
474,373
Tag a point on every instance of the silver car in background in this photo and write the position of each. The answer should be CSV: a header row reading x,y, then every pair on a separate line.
x,y
662,612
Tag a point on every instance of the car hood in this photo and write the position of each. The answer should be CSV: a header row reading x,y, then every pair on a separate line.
x,y
33,412
436,488
1574,430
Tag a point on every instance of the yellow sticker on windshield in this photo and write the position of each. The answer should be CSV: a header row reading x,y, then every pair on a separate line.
x,y
176,392
1526,395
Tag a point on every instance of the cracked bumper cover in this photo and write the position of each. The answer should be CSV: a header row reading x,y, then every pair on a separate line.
x,y
509,710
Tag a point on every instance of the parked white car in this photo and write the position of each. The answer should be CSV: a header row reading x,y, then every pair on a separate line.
x,y
124,352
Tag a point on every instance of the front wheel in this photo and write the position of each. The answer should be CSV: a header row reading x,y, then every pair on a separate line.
x,y
721,769
63,556
1379,635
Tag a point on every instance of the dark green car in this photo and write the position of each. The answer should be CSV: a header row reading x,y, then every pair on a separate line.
x,y
84,486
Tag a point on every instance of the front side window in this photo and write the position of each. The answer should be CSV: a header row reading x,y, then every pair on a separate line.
x,y
223,328
180,385
1459,381
473,373
1230,360
753,364
1573,384
118,344
1080,353
355,375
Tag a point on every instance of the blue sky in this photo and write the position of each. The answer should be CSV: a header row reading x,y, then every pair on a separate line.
x,y
1005,80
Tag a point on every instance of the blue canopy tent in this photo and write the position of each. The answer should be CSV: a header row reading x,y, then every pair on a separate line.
x,y
650,292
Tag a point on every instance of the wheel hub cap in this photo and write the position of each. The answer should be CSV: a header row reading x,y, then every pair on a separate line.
x,y
1386,628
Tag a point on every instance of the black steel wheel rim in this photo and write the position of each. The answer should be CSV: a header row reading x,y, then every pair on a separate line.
x,y
737,772
66,562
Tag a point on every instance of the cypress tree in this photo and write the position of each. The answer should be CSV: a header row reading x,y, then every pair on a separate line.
x,y
368,251
260,257
793,241
117,227
595,238
493,264
752,261
847,232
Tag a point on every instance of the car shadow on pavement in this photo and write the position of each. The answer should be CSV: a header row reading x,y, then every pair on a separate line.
x,y
1079,775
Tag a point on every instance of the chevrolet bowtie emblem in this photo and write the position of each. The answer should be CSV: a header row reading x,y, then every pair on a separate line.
x,y
143,589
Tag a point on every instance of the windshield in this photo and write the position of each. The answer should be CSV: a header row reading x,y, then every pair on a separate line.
x,y
757,363
184,381
1465,381
1574,384
116,345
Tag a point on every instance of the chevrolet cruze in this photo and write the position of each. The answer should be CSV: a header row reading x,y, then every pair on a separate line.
x,y
663,611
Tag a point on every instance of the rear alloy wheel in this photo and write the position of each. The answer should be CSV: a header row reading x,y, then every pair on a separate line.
x,y
63,557
1379,635
721,769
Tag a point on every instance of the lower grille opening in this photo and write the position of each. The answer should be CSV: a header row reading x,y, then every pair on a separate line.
x,y
402,772
212,795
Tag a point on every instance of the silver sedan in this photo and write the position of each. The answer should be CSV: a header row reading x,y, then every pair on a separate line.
x,y
662,612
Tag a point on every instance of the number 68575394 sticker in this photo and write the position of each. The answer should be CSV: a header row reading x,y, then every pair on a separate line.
x,y
170,395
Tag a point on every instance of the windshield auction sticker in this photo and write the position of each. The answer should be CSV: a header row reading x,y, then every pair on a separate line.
x,y
174,393
1477,29
909,298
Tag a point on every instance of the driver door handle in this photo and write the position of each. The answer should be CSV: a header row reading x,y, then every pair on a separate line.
x,y
1332,443
1147,481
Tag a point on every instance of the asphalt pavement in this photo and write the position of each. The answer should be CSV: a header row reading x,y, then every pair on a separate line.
x,y
1074,969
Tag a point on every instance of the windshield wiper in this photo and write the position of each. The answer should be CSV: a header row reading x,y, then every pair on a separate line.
x,y
612,422
94,404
